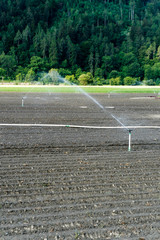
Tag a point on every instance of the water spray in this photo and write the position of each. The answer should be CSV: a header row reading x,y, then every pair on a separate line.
x,y
56,75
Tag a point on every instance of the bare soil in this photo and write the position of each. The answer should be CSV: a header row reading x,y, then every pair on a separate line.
x,y
77,183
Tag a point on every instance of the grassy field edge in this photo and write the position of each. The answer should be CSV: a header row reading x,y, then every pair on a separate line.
x,y
74,89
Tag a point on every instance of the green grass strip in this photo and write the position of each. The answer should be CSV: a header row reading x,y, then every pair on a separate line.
x,y
73,89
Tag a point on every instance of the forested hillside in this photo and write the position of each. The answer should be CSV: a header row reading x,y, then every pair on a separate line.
x,y
90,41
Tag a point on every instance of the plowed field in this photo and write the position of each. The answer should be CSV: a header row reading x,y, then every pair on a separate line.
x,y
79,183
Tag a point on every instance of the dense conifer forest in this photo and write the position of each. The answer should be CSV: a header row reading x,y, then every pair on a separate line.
x,y
87,41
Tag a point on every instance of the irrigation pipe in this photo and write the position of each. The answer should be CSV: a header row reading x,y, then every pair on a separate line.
x,y
128,128
75,126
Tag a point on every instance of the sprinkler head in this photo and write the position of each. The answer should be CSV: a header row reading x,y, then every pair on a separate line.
x,y
130,130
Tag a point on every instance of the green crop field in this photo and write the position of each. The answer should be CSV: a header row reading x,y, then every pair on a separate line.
x,y
74,89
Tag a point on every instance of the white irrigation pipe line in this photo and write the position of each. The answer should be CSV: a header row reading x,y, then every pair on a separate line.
x,y
75,126
128,128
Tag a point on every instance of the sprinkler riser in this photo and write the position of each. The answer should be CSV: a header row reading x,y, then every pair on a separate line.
x,y
129,144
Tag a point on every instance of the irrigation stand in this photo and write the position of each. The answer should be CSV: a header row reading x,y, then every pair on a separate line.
x,y
129,144
22,102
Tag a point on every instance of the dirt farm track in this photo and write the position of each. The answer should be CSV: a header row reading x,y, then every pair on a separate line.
x,y
62,182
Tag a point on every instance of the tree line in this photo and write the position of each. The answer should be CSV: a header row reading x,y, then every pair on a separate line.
x,y
86,41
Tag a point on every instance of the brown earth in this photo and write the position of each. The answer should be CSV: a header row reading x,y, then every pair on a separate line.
x,y
78,183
